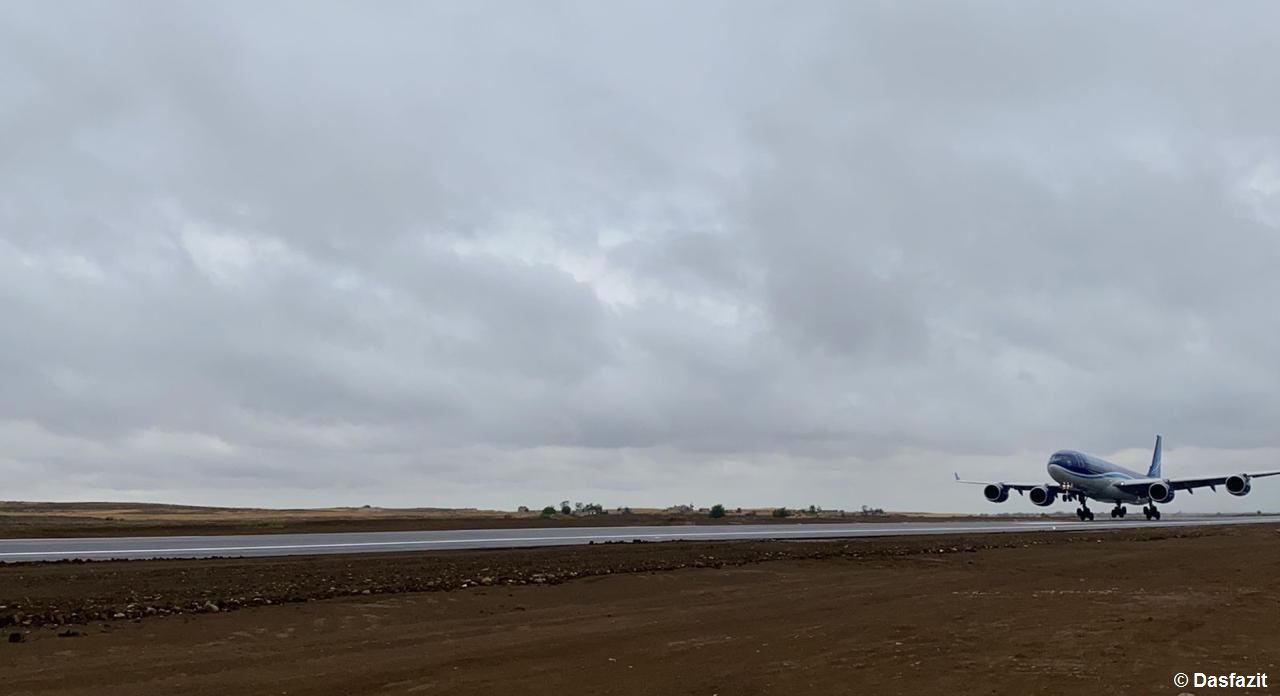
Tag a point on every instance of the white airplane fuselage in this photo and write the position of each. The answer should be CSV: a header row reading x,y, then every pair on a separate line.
x,y
1082,477
1092,476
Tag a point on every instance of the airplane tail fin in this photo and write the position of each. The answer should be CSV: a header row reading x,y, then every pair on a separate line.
x,y
1154,471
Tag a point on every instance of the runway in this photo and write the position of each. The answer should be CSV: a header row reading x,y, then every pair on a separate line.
x,y
18,550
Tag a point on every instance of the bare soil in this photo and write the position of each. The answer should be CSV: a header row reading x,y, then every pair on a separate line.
x,y
999,614
31,520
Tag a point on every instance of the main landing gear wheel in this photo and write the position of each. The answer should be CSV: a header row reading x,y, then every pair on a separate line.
x,y
1118,511
1084,513
1151,512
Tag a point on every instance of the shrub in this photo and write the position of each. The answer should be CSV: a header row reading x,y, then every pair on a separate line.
x,y
548,511
782,512
717,510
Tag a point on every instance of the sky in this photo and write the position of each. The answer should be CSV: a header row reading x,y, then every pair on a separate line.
x,y
489,254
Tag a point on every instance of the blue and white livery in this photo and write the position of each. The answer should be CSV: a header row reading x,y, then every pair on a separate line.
x,y
1079,476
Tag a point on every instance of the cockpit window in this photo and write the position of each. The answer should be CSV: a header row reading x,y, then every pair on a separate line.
x,y
1066,459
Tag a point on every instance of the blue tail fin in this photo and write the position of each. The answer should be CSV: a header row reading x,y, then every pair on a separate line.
x,y
1154,471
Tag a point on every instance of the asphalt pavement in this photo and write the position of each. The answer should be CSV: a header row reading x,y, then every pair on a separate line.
x,y
15,550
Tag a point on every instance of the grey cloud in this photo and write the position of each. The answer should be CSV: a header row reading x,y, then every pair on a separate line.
x,y
476,253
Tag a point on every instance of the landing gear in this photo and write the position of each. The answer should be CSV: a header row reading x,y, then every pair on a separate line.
x,y
1151,512
1118,511
1084,513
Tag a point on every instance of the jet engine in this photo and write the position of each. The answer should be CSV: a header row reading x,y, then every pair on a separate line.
x,y
1239,484
1160,492
1042,496
996,494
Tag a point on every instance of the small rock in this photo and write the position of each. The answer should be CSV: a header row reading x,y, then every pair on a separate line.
x,y
16,638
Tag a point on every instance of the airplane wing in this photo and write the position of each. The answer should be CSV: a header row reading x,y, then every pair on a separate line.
x,y
1019,487
1140,486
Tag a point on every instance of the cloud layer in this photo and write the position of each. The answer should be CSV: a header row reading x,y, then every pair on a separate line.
x,y
497,254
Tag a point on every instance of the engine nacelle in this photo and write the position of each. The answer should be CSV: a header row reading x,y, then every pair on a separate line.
x,y
996,494
1239,484
1042,496
1160,492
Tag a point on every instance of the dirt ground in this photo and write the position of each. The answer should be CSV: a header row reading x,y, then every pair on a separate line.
x,y
1047,614
26,520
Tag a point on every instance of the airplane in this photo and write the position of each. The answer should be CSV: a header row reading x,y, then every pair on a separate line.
x,y
1079,476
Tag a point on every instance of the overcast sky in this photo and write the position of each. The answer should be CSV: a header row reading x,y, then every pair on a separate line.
x,y
641,253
